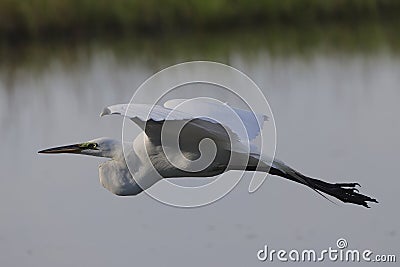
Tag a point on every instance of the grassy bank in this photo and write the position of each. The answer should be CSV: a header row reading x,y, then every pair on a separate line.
x,y
157,52
52,18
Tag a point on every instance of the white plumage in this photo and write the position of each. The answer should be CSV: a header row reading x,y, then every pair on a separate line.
x,y
161,151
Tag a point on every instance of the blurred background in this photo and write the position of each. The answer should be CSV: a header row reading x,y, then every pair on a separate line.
x,y
329,69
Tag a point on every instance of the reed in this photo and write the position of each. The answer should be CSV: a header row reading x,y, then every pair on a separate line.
x,y
46,18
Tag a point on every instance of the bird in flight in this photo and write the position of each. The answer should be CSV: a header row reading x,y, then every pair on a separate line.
x,y
136,166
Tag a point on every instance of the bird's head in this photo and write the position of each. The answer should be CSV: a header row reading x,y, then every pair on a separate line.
x,y
100,147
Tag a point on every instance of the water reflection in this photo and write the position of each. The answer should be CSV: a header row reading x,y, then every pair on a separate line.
x,y
334,94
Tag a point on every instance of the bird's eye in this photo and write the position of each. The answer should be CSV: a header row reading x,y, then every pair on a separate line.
x,y
88,145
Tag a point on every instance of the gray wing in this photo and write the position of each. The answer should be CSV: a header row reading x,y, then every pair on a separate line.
x,y
142,113
225,131
152,119
232,117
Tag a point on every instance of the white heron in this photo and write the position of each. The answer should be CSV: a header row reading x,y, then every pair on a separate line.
x,y
116,177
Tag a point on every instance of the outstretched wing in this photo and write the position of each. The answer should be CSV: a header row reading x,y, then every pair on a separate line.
x,y
231,128
209,108
142,113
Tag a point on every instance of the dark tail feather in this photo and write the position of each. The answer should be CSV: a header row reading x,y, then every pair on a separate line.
x,y
346,192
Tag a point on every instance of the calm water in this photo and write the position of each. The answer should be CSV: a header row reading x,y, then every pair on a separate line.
x,y
336,113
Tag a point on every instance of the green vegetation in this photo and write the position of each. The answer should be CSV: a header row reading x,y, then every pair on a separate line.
x,y
365,39
55,18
